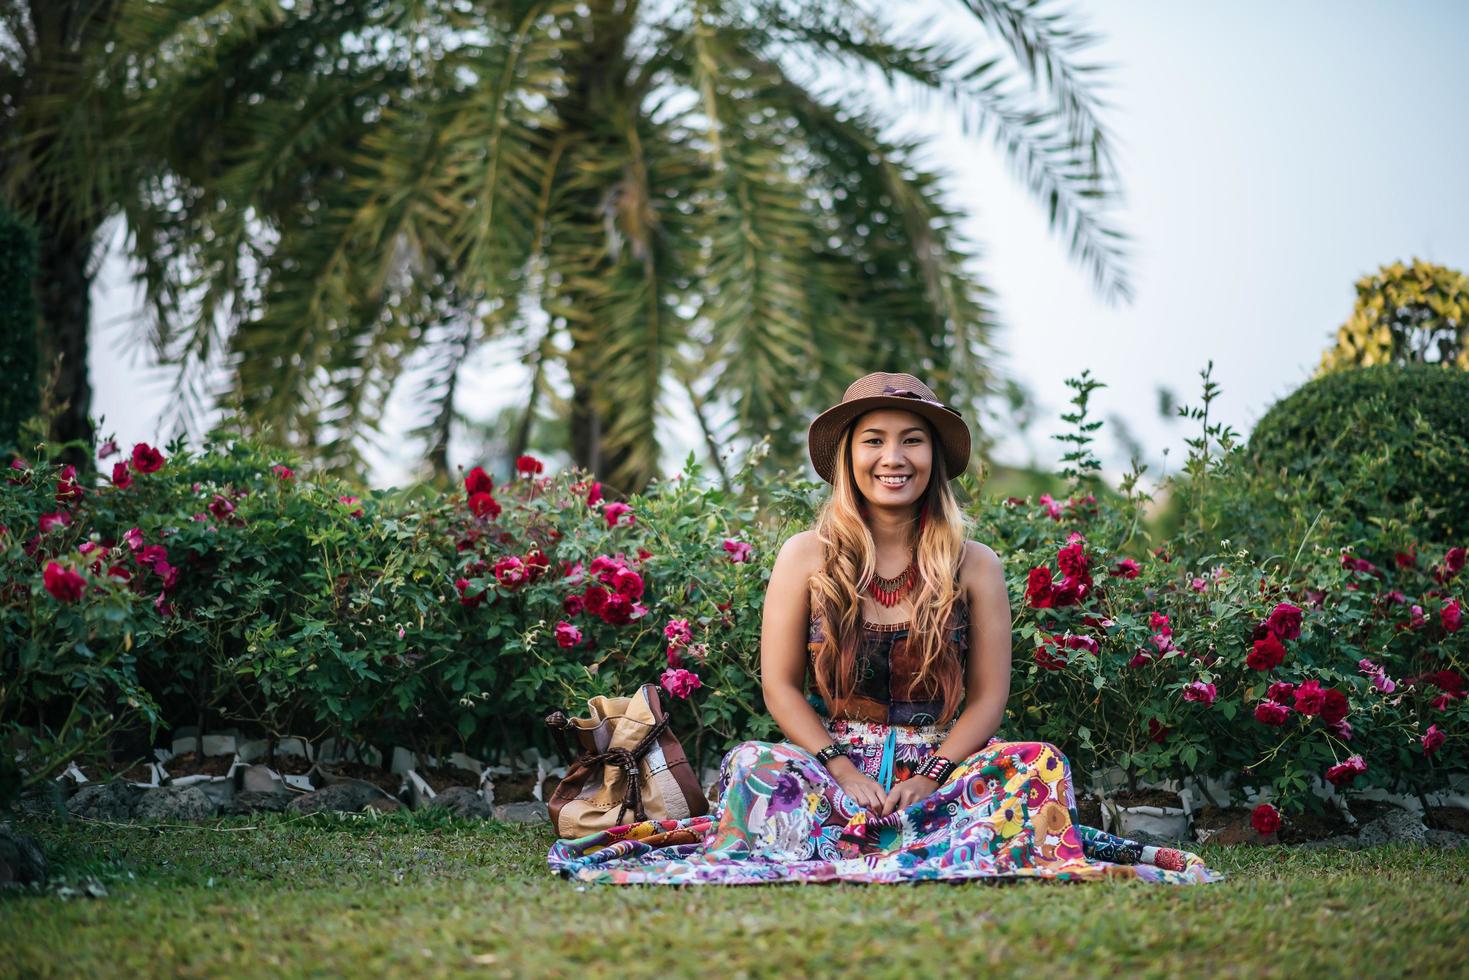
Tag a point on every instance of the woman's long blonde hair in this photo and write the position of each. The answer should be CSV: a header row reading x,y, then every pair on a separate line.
x,y
849,562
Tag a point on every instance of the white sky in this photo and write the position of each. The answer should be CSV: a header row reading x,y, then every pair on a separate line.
x,y
1271,152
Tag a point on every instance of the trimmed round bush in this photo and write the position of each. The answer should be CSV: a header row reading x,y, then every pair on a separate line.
x,y
1376,443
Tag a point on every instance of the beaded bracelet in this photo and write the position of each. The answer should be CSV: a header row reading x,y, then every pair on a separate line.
x,y
934,767
829,753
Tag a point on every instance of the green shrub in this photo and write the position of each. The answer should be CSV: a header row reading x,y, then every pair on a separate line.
x,y
1372,445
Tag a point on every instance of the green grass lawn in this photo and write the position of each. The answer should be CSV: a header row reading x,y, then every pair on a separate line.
x,y
416,893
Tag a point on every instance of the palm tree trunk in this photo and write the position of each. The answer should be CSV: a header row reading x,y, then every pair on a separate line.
x,y
66,314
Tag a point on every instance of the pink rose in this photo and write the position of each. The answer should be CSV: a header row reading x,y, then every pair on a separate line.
x,y
221,507
613,512
678,632
133,538
49,522
1432,740
594,494
680,683
1200,692
108,448
283,472
738,551
1343,773
1052,508
510,572
567,635
349,501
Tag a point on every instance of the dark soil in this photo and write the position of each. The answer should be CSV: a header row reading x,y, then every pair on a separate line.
x,y
291,765
1302,827
1448,818
515,787
189,764
1148,797
1089,810
441,778
388,782
139,772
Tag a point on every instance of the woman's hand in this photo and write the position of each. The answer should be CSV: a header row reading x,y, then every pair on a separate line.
x,y
862,788
908,792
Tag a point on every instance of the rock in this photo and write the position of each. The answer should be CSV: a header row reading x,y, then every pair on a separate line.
x,y
175,803
529,812
22,862
1445,838
1397,825
105,801
254,801
465,802
1345,841
384,806
346,796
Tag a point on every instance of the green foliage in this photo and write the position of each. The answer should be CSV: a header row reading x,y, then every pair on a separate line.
x,y
1369,448
1405,315
650,197
19,383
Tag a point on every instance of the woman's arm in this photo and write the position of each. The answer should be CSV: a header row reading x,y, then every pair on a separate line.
x,y
987,680
783,628
783,656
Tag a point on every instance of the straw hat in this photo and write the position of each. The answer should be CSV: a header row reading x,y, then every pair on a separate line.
x,y
883,390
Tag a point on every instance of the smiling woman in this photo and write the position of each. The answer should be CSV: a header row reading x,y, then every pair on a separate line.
x,y
892,770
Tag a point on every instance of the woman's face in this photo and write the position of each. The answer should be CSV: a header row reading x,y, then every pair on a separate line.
x,y
892,443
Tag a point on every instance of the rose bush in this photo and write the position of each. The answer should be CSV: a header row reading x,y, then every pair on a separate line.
x,y
221,588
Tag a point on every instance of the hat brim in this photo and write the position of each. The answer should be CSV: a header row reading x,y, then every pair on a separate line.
x,y
826,430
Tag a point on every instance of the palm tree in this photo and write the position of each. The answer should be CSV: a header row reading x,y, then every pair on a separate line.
x,y
672,203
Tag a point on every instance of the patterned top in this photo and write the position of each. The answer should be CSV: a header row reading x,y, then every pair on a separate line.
x,y
887,670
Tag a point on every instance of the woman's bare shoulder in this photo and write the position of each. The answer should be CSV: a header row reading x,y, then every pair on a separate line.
x,y
980,564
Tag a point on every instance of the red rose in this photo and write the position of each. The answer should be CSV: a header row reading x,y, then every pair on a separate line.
x,y
68,489
1405,559
122,477
1451,615
617,610
478,481
283,472
573,604
1156,732
146,459
1126,568
63,583
1038,593
1285,621
567,635
1265,819
50,522
1334,706
1267,654
613,512
1432,740
528,465
221,507
349,501
1271,713
483,505
1072,561
465,599
1310,698
628,583
594,599
594,494
1455,559
510,572
536,564
1282,691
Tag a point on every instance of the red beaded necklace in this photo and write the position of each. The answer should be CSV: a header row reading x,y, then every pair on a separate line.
x,y
888,592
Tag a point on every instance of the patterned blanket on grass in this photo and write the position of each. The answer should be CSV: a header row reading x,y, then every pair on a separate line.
x,y
1007,812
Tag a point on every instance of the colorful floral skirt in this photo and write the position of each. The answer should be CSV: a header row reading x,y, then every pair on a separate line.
x,y
1008,811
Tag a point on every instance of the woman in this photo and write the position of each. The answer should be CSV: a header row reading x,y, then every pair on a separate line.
x,y
883,777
